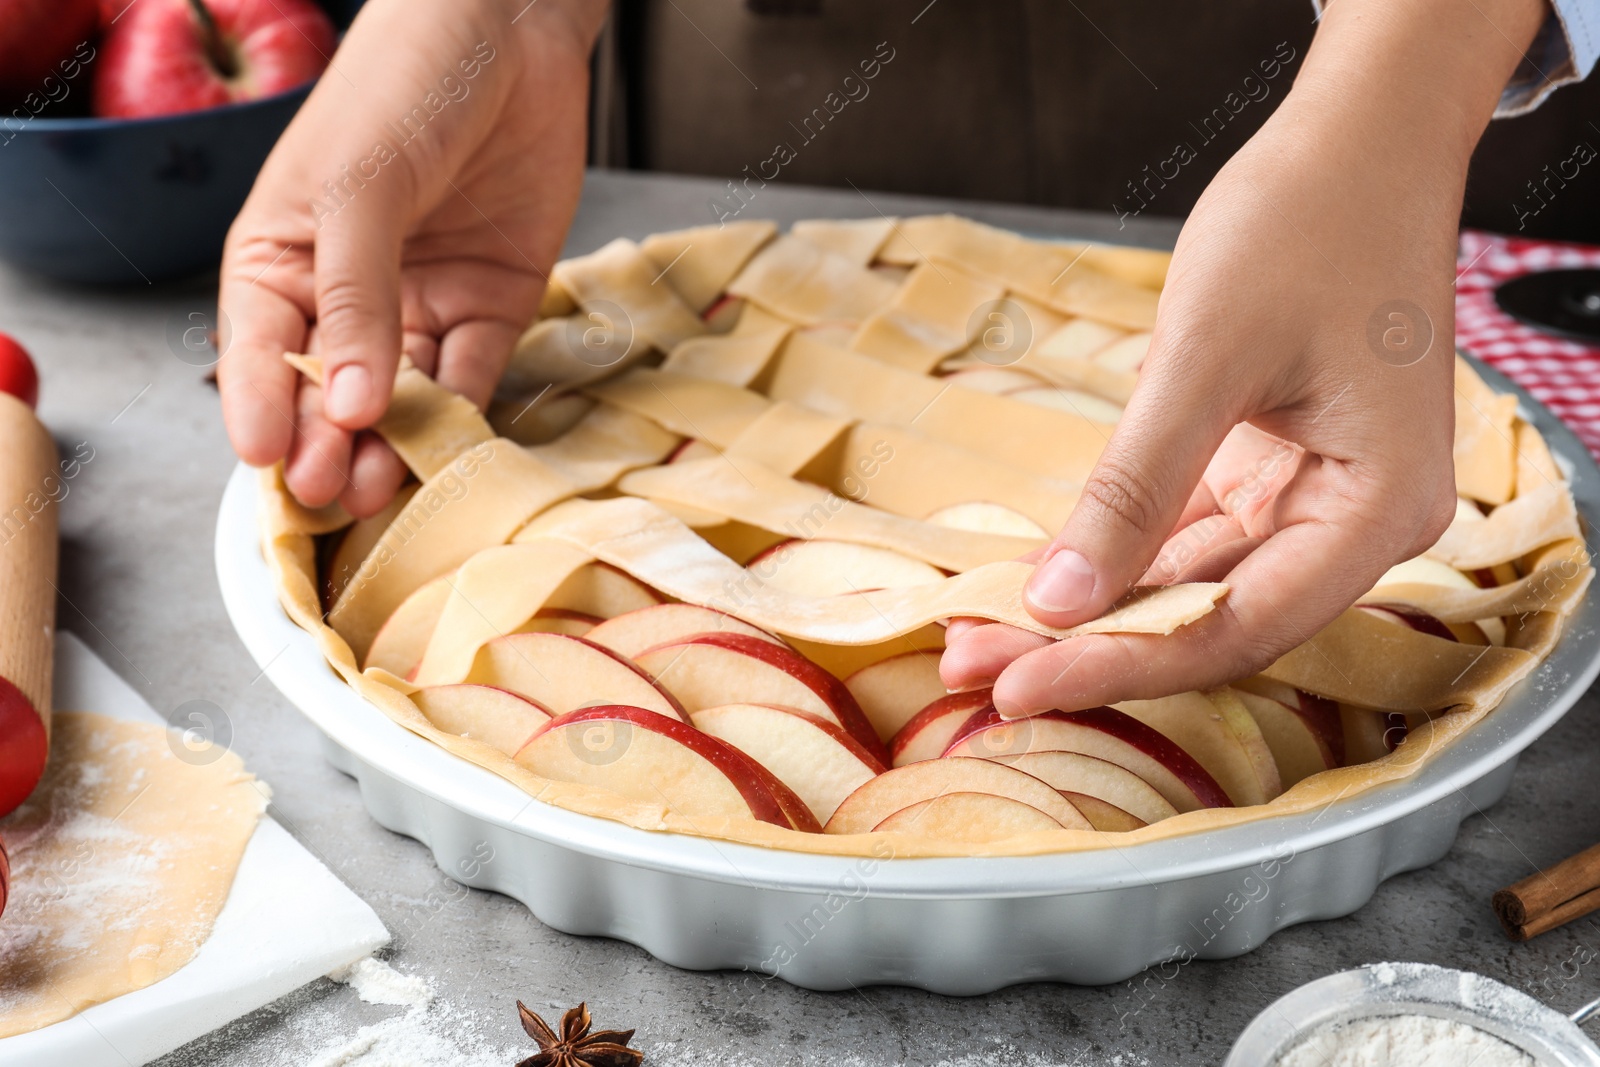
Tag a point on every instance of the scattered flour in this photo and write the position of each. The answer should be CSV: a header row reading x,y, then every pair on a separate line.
x,y
672,1054
378,983
1403,1041
430,1033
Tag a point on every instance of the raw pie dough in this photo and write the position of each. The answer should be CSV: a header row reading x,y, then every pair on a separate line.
x,y
843,383
121,861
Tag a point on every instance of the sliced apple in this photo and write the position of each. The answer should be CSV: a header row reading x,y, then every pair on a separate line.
x,y
1110,734
984,516
1424,570
707,670
1221,736
656,759
1305,739
559,621
1072,401
691,449
1077,774
1126,353
902,787
358,541
498,717
635,631
842,661
807,753
564,673
994,380
833,568
1370,735
403,638
1107,818
893,690
973,818
1079,339
1320,714
602,590
928,733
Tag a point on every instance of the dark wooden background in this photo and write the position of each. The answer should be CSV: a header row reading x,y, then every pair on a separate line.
x,y
1057,102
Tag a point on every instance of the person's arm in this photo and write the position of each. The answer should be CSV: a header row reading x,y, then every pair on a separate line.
x,y
415,204
1304,284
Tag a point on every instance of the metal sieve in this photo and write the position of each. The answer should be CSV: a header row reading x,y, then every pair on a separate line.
x,y
1418,989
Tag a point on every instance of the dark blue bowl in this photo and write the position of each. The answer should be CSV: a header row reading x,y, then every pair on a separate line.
x,y
114,201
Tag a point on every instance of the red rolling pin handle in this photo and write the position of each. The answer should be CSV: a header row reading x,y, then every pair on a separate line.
x,y
30,485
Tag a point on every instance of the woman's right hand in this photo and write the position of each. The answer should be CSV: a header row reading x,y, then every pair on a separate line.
x,y
415,204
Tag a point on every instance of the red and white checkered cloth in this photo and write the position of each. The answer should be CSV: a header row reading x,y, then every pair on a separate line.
x,y
1564,375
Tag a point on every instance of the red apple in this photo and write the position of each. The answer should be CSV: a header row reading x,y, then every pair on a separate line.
x,y
1080,776
17,374
976,818
563,673
893,690
807,753
636,631
499,718
23,747
1469,633
1305,731
559,621
163,57
930,731
38,39
710,669
602,590
1112,735
834,568
880,797
403,638
658,760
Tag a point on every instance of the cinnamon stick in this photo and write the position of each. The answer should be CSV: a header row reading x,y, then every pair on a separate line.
x,y
1551,898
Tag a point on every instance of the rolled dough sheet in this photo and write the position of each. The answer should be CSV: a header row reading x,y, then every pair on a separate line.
x,y
285,919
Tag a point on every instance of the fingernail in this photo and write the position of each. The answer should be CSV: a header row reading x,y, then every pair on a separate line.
x,y
347,392
1008,710
1064,582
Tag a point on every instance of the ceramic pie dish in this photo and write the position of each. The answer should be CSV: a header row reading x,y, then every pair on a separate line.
x,y
890,898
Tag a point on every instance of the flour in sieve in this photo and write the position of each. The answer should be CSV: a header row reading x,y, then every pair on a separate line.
x,y
1403,1041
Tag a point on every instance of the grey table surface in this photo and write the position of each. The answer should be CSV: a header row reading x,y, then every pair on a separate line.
x,y
138,585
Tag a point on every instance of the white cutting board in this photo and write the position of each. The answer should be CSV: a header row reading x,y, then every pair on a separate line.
x,y
287,921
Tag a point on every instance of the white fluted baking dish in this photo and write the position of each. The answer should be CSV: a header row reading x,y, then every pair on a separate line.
x,y
958,926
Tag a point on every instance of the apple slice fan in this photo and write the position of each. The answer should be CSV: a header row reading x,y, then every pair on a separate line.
x,y
29,487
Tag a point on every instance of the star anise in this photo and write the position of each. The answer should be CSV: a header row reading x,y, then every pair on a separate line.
x,y
575,1046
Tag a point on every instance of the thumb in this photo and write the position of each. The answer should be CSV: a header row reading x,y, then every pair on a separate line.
x,y
358,308
1133,497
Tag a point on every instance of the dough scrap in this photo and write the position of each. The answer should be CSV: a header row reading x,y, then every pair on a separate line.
x,y
121,861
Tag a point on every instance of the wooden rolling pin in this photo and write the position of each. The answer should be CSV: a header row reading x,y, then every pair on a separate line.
x,y
30,484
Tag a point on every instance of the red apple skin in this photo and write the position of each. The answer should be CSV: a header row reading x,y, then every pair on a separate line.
x,y
1419,621
18,375
35,37
24,747
769,799
154,60
1118,724
812,676
1322,715
973,700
